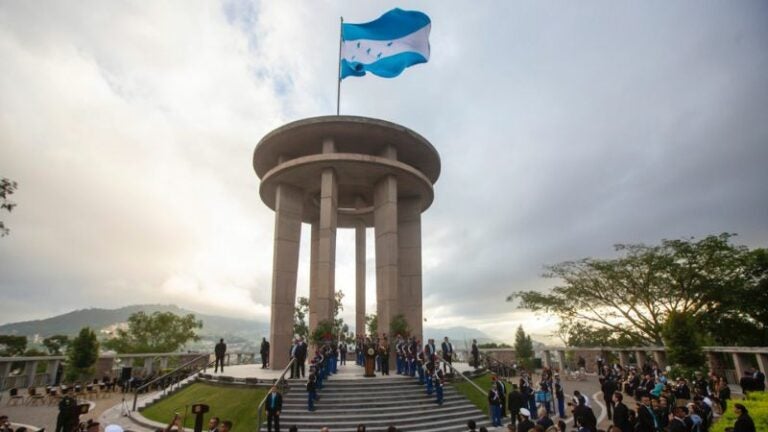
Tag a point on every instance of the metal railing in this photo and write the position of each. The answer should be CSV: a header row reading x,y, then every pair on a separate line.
x,y
281,385
173,377
457,372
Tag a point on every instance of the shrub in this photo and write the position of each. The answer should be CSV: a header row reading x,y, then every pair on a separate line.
x,y
757,405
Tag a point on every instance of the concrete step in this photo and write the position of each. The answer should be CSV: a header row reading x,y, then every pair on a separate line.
x,y
374,413
445,423
325,400
352,395
425,403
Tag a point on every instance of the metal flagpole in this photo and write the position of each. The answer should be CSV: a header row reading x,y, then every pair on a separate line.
x,y
338,75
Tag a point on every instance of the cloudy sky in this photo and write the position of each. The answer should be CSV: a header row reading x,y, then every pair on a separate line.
x,y
563,128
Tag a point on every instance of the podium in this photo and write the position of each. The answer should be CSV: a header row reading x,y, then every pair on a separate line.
x,y
370,361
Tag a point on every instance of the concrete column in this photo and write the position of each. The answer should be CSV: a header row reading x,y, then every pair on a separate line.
x,y
163,363
660,357
385,226
149,366
546,360
624,359
321,303
289,204
641,359
762,362
409,263
360,278
741,364
127,362
5,370
51,368
560,354
313,260
30,370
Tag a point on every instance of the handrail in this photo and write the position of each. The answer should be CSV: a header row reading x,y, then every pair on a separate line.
x,y
474,384
279,382
145,385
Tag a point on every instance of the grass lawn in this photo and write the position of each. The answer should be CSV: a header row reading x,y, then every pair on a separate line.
x,y
757,405
228,403
480,400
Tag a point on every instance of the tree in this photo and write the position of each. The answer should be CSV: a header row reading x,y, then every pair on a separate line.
x,y
523,348
494,345
157,333
632,295
682,339
578,334
55,343
7,187
82,354
399,326
12,346
372,323
300,313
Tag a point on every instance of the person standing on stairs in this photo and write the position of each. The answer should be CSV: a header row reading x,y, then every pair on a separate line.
x,y
273,406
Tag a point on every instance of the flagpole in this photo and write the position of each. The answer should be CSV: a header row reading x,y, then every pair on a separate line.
x,y
338,75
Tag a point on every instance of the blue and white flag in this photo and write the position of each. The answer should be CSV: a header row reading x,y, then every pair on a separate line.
x,y
386,46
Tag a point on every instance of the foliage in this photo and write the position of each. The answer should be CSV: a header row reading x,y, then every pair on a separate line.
x,y
579,334
399,326
324,332
7,187
372,323
55,343
682,340
523,348
757,405
480,400
34,352
82,354
494,345
157,333
11,346
722,285
227,403
300,313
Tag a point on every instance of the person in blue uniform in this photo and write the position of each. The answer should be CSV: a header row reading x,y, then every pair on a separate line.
x,y
494,401
311,392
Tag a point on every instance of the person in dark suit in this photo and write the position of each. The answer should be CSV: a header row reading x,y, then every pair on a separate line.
x,y
608,387
264,351
744,422
273,406
219,351
447,347
621,413
646,418
343,353
525,424
301,357
677,420
475,354
515,401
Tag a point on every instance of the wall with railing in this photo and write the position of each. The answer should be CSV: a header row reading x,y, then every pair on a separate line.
x,y
24,372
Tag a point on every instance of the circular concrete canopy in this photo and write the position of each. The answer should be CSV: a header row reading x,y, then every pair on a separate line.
x,y
351,134
357,163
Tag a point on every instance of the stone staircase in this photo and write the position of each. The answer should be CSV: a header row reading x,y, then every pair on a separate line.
x,y
347,400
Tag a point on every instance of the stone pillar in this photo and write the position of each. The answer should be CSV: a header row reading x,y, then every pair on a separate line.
x,y
127,361
385,226
660,357
624,359
641,359
762,362
560,354
30,370
51,368
326,250
313,260
5,370
360,278
289,204
741,364
409,263
149,365
163,363
546,359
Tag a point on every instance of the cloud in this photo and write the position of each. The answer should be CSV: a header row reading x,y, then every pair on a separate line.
x,y
562,130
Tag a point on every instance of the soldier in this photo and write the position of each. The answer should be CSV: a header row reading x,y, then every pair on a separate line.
x,y
399,357
420,366
311,391
494,401
430,377
439,381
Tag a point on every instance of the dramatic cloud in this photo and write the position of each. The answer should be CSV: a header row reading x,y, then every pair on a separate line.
x,y
562,129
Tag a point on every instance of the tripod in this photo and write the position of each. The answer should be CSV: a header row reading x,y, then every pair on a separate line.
x,y
124,410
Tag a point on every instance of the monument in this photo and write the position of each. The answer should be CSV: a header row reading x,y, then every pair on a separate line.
x,y
346,172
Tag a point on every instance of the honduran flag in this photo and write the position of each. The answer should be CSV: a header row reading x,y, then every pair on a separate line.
x,y
386,46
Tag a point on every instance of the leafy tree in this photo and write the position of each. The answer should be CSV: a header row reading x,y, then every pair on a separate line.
x,y
300,313
12,346
157,333
523,347
323,333
372,323
55,343
399,326
82,354
34,352
338,307
7,187
682,339
722,285
578,334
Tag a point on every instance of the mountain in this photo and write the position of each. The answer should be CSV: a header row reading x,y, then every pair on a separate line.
x,y
237,330
459,336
